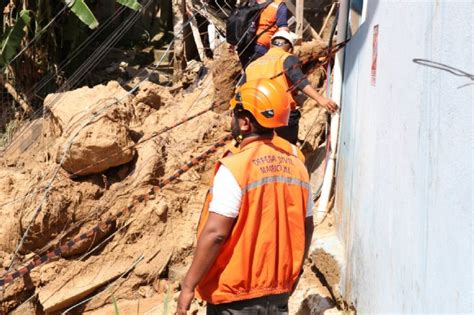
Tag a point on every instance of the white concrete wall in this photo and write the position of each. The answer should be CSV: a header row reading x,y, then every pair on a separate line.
x,y
404,196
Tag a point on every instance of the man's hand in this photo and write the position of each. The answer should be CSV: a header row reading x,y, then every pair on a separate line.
x,y
184,301
329,104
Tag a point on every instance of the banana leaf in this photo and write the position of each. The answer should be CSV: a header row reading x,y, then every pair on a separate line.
x,y
132,4
82,11
12,38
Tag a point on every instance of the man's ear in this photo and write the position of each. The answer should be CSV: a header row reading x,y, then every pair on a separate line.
x,y
245,125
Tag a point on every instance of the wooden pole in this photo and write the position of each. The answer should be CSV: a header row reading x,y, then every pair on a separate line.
x,y
179,59
327,19
197,38
292,9
299,18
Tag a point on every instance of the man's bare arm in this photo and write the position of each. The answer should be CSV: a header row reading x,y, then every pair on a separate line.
x,y
323,101
215,232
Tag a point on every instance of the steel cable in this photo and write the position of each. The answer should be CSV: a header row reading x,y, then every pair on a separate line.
x,y
76,173
35,262
37,35
69,144
75,53
66,150
102,27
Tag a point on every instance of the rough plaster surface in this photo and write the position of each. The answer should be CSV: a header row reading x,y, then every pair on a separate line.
x,y
404,174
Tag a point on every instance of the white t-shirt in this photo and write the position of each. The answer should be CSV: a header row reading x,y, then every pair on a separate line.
x,y
226,195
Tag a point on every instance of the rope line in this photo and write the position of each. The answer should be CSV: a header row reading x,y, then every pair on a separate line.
x,y
67,149
85,67
103,226
70,142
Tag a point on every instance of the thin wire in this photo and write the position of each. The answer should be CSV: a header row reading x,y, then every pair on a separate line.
x,y
69,144
38,111
106,288
227,3
222,9
37,35
41,84
97,56
66,151
105,240
99,53
135,145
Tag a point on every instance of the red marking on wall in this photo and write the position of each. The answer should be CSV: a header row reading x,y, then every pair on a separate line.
x,y
375,43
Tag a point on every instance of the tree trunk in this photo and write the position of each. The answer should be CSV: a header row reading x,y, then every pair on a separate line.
x,y
179,60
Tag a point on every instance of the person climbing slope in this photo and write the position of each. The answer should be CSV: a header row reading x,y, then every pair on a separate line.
x,y
281,65
272,16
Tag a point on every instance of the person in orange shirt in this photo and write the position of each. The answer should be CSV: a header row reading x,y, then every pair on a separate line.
x,y
257,222
272,19
281,65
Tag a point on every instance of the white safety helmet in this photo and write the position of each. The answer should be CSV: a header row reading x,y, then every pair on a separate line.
x,y
288,36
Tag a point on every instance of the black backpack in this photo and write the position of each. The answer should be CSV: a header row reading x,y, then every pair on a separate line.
x,y
241,25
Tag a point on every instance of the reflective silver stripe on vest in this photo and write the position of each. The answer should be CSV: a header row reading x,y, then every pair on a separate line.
x,y
310,199
276,179
281,179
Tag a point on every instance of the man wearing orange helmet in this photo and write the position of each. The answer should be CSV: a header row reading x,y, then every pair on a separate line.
x,y
256,225
281,65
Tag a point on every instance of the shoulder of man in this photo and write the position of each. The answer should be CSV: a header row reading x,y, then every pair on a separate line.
x,y
288,147
290,60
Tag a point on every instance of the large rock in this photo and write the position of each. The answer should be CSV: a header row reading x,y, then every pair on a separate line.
x,y
93,124
96,148
79,281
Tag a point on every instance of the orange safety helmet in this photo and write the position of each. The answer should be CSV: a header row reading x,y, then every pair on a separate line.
x,y
266,100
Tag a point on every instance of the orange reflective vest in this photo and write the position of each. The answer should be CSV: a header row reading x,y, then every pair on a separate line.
x,y
267,23
270,66
264,252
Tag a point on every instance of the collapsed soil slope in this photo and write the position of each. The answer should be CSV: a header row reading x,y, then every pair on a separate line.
x,y
99,148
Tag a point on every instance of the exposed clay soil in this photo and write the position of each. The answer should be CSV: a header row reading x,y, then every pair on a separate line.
x,y
139,260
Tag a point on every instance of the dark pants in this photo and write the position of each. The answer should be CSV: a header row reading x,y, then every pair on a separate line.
x,y
248,55
290,132
267,305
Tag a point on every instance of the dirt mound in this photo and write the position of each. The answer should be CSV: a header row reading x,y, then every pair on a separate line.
x,y
159,230
138,258
225,71
308,51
